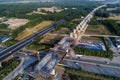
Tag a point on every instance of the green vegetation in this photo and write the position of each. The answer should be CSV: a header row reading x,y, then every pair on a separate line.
x,y
84,51
30,24
70,25
40,47
30,31
102,14
10,42
3,30
94,22
3,26
7,67
17,77
3,33
79,74
20,10
112,26
36,46
117,11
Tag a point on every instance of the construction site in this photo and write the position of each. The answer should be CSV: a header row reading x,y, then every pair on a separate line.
x,y
43,70
45,67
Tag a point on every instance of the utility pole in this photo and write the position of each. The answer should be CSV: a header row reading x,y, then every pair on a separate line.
x,y
38,55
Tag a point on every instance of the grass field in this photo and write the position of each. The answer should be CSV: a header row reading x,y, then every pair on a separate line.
x,y
114,18
30,31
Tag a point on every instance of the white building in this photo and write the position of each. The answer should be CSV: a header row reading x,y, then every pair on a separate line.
x,y
118,42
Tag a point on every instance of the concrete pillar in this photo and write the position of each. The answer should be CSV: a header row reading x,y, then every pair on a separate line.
x,y
74,31
38,55
77,28
71,35
75,36
53,72
0,64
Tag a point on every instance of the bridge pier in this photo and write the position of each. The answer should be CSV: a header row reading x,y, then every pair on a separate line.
x,y
38,56
0,64
53,72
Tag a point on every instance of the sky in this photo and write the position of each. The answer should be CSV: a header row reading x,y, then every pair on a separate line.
x,y
48,0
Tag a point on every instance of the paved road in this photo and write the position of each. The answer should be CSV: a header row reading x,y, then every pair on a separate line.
x,y
110,64
113,48
13,49
93,67
26,61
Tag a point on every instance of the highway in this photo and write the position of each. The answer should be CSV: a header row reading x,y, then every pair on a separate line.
x,y
110,64
15,48
93,66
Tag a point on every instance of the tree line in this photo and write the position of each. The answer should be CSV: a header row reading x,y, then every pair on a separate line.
x,y
79,74
84,51
112,26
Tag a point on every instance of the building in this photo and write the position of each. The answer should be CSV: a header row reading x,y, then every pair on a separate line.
x,y
118,45
117,39
117,42
4,39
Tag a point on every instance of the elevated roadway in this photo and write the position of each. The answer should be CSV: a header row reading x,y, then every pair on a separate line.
x,y
101,35
63,47
18,46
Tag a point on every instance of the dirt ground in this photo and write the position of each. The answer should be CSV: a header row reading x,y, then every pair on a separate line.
x,y
114,18
97,29
15,23
62,31
52,39
60,70
92,39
